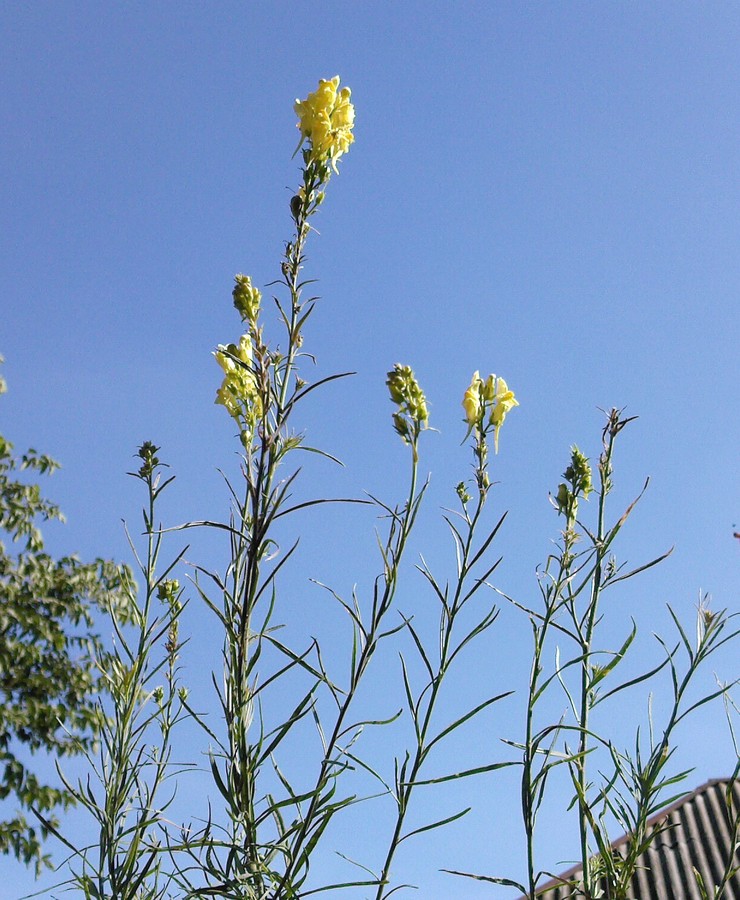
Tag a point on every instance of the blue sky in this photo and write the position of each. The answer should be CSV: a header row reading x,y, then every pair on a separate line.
x,y
547,191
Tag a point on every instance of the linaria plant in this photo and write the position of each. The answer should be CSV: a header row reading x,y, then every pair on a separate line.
x,y
486,404
628,787
272,826
124,791
262,845
267,818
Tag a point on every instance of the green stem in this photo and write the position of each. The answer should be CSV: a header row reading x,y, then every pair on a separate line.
x,y
255,515
605,468
405,790
328,762
541,631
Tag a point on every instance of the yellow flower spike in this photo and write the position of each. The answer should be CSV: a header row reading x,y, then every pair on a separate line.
x,y
239,393
326,119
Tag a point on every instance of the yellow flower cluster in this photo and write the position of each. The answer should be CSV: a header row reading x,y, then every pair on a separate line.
x,y
326,117
491,398
238,391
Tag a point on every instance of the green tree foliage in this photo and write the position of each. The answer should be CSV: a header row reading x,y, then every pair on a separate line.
x,y
49,680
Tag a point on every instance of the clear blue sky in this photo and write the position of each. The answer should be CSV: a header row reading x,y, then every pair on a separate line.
x,y
547,191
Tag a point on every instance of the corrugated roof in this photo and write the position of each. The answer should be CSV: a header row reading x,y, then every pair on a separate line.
x,y
698,836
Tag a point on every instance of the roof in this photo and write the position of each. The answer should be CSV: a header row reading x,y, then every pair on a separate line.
x,y
698,835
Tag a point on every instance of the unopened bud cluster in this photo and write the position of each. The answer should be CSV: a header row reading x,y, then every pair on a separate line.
x,y
148,453
169,592
413,414
579,484
246,298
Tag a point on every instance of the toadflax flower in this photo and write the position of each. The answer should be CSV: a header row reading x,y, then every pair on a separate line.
x,y
238,392
326,118
491,397
472,400
504,400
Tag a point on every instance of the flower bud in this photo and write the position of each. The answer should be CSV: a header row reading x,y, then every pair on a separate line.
x,y
413,413
488,389
168,590
578,473
462,493
562,498
246,298
148,453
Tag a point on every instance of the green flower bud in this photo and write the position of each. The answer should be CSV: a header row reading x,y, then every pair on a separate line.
x,y
578,473
402,426
168,590
246,298
405,391
148,453
488,389
564,499
462,493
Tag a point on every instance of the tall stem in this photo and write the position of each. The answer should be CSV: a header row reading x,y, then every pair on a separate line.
x,y
605,468
404,790
369,647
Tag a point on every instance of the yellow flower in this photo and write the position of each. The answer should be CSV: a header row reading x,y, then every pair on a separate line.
x,y
504,401
326,118
226,354
238,392
488,389
491,397
472,400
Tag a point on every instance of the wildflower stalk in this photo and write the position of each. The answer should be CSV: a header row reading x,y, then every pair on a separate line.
x,y
132,767
318,813
264,452
637,787
601,547
534,777
556,593
255,515
422,707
